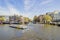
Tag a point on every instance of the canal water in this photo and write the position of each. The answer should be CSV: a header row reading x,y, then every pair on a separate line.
x,y
33,32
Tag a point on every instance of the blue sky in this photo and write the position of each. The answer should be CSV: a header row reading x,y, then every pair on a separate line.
x,y
28,8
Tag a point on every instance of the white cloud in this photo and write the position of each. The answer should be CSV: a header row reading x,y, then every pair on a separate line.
x,y
9,10
13,10
3,11
28,4
46,2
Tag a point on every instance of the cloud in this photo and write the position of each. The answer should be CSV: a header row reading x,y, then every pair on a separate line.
x,y
3,11
43,2
46,2
13,10
9,9
28,4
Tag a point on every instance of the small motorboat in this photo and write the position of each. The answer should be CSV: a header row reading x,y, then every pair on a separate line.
x,y
18,26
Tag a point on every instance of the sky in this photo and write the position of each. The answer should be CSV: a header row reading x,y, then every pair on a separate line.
x,y
28,8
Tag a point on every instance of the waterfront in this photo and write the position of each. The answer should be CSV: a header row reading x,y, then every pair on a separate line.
x,y
33,32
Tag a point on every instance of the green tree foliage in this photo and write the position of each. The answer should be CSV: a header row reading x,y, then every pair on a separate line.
x,y
2,18
35,19
47,18
26,20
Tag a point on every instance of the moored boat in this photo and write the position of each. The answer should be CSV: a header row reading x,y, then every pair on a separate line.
x,y
18,26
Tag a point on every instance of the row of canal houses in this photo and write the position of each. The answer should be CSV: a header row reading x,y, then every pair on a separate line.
x,y
11,19
55,16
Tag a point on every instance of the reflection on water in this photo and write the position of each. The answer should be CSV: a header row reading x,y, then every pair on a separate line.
x,y
33,32
7,33
51,32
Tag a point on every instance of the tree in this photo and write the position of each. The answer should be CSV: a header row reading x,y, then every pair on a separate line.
x,y
47,18
26,20
2,18
35,19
